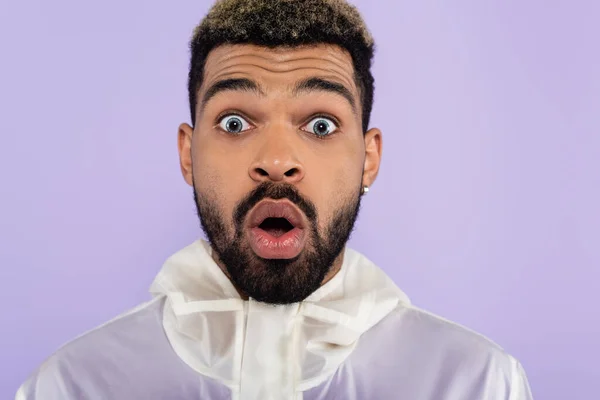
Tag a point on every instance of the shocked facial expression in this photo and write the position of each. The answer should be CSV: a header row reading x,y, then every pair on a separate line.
x,y
277,160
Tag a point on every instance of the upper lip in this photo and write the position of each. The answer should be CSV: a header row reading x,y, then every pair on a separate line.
x,y
276,209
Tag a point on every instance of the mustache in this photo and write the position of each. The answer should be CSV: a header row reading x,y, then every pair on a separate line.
x,y
275,191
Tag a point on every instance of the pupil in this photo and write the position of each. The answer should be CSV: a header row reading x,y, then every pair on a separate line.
x,y
234,125
321,127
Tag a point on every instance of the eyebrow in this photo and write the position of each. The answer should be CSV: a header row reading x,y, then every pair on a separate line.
x,y
324,85
232,84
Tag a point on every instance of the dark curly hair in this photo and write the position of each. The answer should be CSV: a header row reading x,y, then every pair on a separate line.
x,y
286,23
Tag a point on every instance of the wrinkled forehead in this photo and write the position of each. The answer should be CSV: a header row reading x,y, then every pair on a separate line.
x,y
279,68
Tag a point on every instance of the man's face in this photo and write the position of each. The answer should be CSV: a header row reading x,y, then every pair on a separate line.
x,y
277,160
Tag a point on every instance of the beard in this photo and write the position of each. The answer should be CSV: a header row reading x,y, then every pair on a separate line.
x,y
276,281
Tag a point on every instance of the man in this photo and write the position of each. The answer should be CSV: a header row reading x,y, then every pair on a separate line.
x,y
274,306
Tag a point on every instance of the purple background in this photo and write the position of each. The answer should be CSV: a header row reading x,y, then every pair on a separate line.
x,y
485,212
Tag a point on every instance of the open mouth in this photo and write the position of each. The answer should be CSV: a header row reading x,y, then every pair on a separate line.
x,y
276,217
276,229
276,226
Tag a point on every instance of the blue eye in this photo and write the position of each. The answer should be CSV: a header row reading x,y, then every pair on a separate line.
x,y
321,126
233,123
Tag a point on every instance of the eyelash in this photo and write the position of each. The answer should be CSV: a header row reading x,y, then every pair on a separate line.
x,y
228,113
326,116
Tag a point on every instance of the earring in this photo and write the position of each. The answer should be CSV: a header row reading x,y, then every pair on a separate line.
x,y
364,190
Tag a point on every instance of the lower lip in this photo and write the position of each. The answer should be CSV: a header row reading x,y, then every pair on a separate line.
x,y
286,246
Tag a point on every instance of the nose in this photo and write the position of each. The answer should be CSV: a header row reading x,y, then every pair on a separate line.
x,y
276,160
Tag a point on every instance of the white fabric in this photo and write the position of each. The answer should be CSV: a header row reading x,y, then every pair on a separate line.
x,y
357,337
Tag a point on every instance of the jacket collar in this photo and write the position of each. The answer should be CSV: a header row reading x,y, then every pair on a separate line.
x,y
264,351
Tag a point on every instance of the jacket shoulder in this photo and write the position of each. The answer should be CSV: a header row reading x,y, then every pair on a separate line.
x,y
68,372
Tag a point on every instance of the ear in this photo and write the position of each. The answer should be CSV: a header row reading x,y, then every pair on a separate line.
x,y
184,144
373,142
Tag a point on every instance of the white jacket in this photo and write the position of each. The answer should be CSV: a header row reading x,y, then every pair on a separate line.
x,y
357,337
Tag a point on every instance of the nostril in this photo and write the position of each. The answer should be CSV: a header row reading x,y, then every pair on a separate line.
x,y
262,172
291,172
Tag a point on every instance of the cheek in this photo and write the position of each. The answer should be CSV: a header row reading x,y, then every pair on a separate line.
x,y
337,184
343,189
212,178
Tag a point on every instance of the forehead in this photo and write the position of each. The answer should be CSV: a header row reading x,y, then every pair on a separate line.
x,y
280,66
